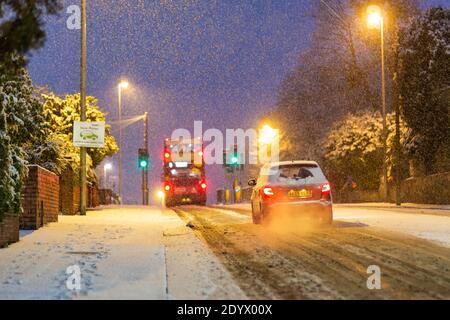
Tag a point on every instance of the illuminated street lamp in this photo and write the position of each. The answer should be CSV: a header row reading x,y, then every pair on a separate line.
x,y
375,20
374,17
267,135
107,167
122,85
162,197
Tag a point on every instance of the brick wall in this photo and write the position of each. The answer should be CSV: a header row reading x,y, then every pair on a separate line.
x,y
93,197
69,195
9,230
105,197
40,199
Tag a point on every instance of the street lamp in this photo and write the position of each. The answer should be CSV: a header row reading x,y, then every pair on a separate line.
x,y
374,17
122,85
375,20
267,135
107,167
162,197
83,116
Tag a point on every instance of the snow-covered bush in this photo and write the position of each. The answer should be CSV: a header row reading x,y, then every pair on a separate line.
x,y
354,148
7,193
19,124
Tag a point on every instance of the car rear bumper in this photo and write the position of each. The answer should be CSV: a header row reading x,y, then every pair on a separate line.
x,y
319,207
187,198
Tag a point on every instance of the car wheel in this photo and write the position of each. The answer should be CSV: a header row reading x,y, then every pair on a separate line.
x,y
256,218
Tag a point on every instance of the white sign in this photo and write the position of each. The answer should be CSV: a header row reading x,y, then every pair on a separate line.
x,y
89,134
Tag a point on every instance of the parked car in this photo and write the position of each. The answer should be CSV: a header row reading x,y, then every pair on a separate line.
x,y
293,187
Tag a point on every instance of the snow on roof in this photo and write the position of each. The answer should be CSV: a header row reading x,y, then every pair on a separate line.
x,y
293,162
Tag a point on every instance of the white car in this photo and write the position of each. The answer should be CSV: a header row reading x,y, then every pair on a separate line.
x,y
293,187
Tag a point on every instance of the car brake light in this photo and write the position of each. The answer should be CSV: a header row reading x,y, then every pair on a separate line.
x,y
203,185
326,191
326,188
267,192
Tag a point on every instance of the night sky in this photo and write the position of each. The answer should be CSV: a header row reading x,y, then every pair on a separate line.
x,y
217,61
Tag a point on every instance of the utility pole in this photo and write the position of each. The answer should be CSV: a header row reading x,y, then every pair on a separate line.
x,y
383,94
395,100
145,191
83,89
376,19
120,86
120,145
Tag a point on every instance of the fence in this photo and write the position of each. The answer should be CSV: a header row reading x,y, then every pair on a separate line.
x,y
433,189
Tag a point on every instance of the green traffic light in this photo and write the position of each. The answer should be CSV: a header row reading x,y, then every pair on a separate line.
x,y
235,160
143,164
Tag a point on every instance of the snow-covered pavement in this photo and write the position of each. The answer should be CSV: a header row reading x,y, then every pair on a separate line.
x,y
122,253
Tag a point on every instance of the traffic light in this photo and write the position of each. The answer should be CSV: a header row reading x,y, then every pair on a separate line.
x,y
235,159
232,160
144,159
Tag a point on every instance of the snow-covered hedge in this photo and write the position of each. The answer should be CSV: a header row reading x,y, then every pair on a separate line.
x,y
354,148
19,123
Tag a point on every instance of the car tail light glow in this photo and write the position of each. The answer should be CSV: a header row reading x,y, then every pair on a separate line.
x,y
203,185
326,188
267,192
326,191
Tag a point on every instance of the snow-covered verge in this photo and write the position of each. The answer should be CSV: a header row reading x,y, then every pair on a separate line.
x,y
424,221
122,253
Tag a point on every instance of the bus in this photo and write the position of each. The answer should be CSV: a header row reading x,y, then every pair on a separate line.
x,y
184,176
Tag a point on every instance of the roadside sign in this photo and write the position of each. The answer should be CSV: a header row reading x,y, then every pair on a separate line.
x,y
89,134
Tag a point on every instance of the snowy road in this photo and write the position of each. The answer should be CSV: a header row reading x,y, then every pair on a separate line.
x,y
291,259
426,223
147,253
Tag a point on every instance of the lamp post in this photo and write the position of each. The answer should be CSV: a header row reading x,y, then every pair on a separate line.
x,y
268,143
162,197
120,86
375,20
107,167
83,89
267,135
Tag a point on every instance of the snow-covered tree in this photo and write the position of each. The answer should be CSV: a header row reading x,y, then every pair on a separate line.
x,y
6,182
20,124
339,73
60,114
21,25
424,83
354,147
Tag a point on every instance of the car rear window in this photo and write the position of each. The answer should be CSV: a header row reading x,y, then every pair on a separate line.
x,y
297,174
